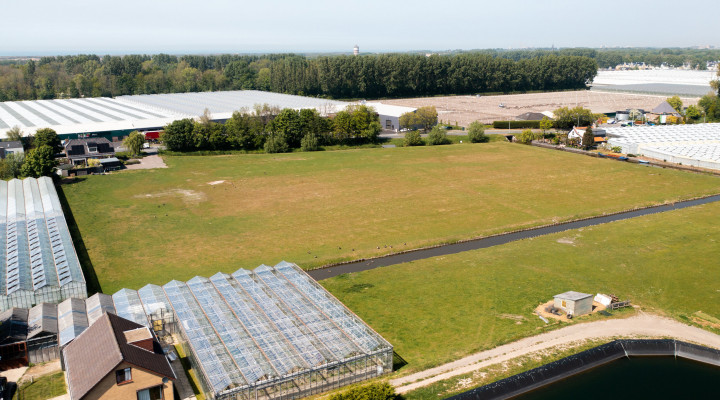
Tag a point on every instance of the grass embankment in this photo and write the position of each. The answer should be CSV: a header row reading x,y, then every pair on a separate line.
x,y
208,214
462,383
441,309
42,388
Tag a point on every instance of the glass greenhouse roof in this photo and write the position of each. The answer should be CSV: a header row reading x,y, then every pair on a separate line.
x,y
252,326
36,251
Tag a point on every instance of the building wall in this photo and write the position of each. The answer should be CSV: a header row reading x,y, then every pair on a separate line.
x,y
583,306
575,308
108,388
394,123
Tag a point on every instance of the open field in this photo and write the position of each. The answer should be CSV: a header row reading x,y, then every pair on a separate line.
x,y
442,309
208,214
466,109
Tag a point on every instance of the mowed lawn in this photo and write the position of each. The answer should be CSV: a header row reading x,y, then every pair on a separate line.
x,y
208,214
440,309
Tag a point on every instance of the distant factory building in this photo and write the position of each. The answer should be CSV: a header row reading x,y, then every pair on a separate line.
x,y
574,303
390,115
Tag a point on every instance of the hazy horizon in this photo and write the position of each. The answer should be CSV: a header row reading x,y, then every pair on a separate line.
x,y
47,27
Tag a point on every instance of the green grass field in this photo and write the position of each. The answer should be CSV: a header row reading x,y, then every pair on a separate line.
x,y
208,214
42,388
437,310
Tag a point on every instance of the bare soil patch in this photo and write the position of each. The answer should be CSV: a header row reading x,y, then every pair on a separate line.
x,y
465,109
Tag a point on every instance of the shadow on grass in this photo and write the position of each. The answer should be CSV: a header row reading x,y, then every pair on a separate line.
x,y
93,285
398,361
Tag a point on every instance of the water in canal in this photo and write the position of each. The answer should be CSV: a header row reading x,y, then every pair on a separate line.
x,y
637,378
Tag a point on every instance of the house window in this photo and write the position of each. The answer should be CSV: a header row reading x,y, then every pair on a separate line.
x,y
388,124
123,375
153,393
92,149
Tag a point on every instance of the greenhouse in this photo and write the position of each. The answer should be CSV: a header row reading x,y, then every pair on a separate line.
x,y
38,263
272,333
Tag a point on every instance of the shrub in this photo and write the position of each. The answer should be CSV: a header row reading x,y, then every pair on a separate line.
x,y
437,136
476,133
516,124
526,137
373,391
309,142
616,149
413,138
276,144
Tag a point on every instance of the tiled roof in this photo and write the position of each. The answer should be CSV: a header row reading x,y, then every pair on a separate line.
x,y
101,348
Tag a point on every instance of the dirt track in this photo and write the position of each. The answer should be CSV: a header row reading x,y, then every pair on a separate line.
x,y
642,325
466,109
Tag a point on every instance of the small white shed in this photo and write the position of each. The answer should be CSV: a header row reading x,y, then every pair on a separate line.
x,y
574,303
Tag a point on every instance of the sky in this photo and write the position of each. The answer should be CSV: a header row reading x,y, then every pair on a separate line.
x,y
52,27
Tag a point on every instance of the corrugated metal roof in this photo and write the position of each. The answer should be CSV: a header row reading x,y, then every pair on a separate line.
x,y
572,295
152,111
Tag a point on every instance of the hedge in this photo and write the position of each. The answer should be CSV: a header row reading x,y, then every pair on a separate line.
x,y
516,124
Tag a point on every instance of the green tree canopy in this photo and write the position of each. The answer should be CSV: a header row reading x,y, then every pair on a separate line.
x,y
426,116
47,137
407,120
676,103
178,135
413,138
476,133
14,133
437,136
11,166
545,124
134,143
588,139
526,137
275,143
566,118
39,161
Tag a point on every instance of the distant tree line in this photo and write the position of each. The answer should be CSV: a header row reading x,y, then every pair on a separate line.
x,y
274,130
372,76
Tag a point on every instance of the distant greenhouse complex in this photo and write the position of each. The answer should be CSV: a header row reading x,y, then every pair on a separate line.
x,y
38,263
696,145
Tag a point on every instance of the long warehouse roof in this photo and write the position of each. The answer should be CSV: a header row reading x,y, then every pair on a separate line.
x,y
142,112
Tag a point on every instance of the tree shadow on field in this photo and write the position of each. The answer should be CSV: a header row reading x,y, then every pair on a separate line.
x,y
93,285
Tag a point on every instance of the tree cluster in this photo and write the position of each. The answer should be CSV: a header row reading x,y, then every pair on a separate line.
x,y
38,161
274,130
385,75
423,117
566,118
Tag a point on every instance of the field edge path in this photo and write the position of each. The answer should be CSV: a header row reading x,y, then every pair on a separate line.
x,y
642,325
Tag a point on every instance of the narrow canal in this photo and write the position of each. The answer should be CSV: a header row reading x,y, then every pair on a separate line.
x,y
364,265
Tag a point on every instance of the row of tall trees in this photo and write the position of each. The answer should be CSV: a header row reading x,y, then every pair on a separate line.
x,y
386,75
274,131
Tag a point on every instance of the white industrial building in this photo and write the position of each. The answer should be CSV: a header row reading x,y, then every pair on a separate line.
x,y
390,115
696,145
115,118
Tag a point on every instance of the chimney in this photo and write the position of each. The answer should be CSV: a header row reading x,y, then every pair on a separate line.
x,y
140,337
